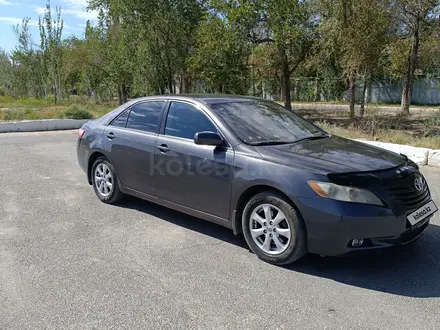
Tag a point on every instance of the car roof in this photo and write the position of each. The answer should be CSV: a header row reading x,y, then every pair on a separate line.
x,y
205,98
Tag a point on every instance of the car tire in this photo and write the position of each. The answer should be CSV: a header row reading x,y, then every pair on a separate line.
x,y
290,234
105,181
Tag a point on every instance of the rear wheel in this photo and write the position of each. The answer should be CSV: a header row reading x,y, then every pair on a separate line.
x,y
273,229
105,181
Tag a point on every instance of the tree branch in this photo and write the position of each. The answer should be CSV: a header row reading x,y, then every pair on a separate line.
x,y
261,41
407,11
300,59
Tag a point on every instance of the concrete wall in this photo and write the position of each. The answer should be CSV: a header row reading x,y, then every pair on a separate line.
x,y
425,92
41,125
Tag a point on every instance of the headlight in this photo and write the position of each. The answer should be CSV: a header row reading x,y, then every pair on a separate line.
x,y
344,193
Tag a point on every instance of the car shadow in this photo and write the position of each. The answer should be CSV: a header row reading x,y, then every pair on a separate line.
x,y
183,220
412,270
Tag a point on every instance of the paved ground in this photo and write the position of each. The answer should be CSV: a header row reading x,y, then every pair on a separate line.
x,y
68,261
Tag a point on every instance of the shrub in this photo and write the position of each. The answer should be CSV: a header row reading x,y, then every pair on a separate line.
x,y
434,119
20,114
77,112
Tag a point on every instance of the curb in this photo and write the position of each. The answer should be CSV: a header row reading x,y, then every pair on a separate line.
x,y
41,125
420,156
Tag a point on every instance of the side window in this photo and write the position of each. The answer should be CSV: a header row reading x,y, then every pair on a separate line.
x,y
145,116
121,120
185,120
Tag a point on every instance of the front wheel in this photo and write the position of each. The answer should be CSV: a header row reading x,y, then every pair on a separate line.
x,y
273,229
105,182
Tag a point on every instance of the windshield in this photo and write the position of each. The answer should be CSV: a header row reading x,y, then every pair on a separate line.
x,y
264,122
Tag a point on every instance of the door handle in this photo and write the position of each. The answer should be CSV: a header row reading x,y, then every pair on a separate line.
x,y
163,148
110,135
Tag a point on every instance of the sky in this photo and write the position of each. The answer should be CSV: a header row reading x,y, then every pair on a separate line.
x,y
74,14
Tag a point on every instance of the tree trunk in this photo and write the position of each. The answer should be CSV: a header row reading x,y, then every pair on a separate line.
x,y
56,91
363,95
281,88
316,90
170,83
407,89
186,84
285,78
410,70
352,95
296,90
122,93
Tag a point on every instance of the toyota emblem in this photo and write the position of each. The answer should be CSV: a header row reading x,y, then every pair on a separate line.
x,y
418,183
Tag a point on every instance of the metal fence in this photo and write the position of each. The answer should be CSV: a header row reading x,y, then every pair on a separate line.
x,y
425,91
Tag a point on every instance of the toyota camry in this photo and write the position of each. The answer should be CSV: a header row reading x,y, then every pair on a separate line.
x,y
252,166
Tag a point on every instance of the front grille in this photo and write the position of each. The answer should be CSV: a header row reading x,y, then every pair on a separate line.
x,y
404,192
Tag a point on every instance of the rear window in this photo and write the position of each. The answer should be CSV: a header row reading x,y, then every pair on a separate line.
x,y
145,116
121,120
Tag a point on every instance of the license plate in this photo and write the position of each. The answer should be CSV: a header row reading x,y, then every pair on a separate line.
x,y
422,213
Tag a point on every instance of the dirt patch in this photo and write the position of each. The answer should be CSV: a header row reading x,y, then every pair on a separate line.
x,y
417,129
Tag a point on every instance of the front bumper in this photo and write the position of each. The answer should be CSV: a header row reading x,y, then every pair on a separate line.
x,y
331,225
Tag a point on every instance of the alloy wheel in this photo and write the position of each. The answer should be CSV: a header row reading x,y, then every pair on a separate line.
x,y
270,229
103,180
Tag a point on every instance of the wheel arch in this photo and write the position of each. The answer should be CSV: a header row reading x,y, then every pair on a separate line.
x,y
93,157
244,199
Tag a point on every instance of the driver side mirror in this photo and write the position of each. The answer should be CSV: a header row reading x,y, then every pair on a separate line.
x,y
208,139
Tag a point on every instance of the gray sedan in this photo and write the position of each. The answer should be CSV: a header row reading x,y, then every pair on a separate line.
x,y
252,166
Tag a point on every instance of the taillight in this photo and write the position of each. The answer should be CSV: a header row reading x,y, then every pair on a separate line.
x,y
81,133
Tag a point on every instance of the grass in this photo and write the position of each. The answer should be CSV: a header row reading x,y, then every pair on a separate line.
x,y
415,130
398,137
75,107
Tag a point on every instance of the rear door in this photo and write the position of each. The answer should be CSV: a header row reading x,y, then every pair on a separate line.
x,y
132,138
194,176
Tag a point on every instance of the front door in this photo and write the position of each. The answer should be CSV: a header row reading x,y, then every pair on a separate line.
x,y
195,176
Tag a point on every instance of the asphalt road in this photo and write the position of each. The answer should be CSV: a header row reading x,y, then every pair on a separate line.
x,y
68,261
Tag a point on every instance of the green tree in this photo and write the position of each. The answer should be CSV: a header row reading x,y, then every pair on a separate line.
x,y
220,57
165,31
29,75
355,33
415,22
288,25
51,47
6,73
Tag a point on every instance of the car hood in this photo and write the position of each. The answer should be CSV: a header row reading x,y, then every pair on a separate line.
x,y
332,154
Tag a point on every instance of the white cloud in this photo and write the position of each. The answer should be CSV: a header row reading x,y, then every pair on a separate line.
x,y
16,20
6,3
82,14
76,3
39,10
78,8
